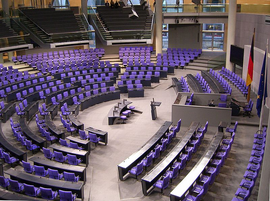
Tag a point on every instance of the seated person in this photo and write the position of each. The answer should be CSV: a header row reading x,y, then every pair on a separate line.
x,y
112,4
116,5
107,3
211,104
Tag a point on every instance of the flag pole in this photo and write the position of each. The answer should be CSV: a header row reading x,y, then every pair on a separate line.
x,y
250,66
263,99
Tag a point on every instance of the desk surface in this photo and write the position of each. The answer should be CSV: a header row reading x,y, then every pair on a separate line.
x,y
61,167
12,149
143,151
180,190
69,150
151,177
30,134
116,110
53,127
76,187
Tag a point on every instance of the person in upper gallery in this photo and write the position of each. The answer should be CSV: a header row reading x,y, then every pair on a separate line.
x,y
112,4
116,5
107,3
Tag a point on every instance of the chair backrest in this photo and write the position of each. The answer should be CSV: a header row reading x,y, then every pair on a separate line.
x,y
54,174
63,142
4,182
59,156
15,185
74,145
39,170
69,176
82,134
27,167
30,190
93,137
47,153
47,193
66,195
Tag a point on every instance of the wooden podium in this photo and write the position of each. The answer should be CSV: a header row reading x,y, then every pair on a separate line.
x,y
154,109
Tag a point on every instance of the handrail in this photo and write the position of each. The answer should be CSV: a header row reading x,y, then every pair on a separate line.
x,y
133,30
32,21
14,36
59,33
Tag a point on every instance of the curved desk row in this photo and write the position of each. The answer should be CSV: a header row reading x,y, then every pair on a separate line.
x,y
61,167
11,195
214,83
30,110
83,155
8,111
151,177
194,83
99,98
36,139
21,155
180,190
37,181
53,128
54,93
136,157
176,85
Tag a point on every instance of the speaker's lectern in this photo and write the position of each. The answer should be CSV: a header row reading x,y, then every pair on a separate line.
x,y
154,109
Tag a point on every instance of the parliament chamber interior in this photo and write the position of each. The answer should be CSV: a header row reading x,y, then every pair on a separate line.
x,y
134,100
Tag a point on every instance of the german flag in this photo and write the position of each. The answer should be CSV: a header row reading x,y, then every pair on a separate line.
x,y
250,62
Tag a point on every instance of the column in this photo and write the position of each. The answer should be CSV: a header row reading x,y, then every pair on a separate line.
x,y
5,7
159,23
84,8
230,32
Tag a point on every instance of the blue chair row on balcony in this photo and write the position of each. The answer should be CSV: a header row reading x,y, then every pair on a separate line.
x,y
31,190
253,167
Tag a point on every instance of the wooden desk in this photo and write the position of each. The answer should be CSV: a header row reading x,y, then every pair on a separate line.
x,y
17,153
136,157
180,190
102,134
36,139
84,155
116,111
23,177
61,167
151,177
53,128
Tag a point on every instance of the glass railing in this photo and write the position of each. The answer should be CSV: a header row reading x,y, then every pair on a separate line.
x,y
119,34
192,8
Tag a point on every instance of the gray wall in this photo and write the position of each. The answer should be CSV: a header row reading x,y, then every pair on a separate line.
x,y
245,24
200,111
185,36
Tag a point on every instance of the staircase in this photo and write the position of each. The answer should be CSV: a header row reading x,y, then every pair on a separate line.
x,y
208,60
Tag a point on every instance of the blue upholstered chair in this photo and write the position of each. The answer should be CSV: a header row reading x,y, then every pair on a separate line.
x,y
48,193
31,190
40,171
28,167
70,176
16,186
163,183
66,195
54,174
58,156
137,170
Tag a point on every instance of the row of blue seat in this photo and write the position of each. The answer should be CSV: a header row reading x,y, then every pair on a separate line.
x,y
222,81
31,190
59,157
253,167
185,156
235,79
51,173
